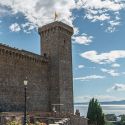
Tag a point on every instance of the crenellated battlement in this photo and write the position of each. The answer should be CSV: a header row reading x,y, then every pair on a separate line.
x,y
54,28
21,54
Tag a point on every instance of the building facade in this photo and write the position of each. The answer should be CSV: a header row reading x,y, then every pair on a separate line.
x,y
49,74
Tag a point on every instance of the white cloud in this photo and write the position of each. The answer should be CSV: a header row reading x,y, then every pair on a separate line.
x,y
117,87
103,58
101,4
83,39
111,72
4,11
28,27
101,98
15,27
113,25
103,11
115,65
41,12
94,18
81,66
76,31
91,77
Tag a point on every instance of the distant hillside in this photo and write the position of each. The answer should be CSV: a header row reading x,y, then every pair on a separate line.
x,y
122,102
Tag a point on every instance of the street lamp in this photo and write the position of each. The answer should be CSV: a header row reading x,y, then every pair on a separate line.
x,y
25,87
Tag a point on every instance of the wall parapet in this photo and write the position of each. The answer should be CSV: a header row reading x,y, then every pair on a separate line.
x,y
78,120
21,54
55,27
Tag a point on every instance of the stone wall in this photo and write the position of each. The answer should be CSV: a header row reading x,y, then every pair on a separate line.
x,y
15,66
49,79
77,120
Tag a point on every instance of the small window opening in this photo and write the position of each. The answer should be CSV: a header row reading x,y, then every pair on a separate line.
x,y
45,55
64,41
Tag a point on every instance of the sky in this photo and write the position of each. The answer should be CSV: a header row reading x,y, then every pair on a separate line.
x,y
98,42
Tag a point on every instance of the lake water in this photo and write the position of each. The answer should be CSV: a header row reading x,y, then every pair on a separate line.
x,y
107,109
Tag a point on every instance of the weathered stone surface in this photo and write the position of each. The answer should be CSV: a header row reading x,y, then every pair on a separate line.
x,y
56,43
49,74
15,66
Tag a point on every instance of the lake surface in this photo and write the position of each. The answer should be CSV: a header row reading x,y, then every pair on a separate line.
x,y
107,109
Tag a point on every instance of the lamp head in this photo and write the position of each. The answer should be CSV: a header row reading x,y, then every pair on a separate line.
x,y
25,82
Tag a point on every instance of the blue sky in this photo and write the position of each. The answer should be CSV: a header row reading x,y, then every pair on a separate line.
x,y
98,43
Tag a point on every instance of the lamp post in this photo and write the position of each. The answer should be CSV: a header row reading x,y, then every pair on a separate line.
x,y
25,87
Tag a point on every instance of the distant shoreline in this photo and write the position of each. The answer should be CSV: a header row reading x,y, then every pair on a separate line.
x,y
107,109
101,105
121,102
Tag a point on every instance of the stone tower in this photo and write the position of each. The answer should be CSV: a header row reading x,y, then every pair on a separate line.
x,y
56,44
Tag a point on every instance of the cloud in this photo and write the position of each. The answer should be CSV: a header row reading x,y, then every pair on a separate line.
x,y
15,27
91,77
111,72
25,27
83,39
115,65
103,58
4,11
101,98
113,25
95,18
117,87
41,12
101,4
81,66
76,31
106,11
28,27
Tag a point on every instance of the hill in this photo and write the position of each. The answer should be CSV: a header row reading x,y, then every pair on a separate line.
x,y
121,102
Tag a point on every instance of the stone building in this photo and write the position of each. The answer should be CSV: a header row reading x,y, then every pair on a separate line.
x,y
49,74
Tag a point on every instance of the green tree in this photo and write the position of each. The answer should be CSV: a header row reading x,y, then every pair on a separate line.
x,y
95,113
109,123
122,120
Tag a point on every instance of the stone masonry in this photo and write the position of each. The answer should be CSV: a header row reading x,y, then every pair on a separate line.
x,y
49,74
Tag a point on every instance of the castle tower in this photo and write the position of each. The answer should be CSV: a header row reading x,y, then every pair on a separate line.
x,y
56,44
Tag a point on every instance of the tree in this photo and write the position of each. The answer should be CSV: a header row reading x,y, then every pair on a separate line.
x,y
122,120
109,123
95,113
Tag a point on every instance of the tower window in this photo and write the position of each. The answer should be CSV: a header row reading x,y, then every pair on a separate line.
x,y
45,55
64,41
